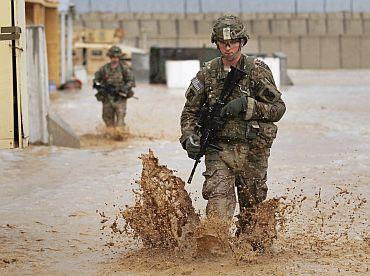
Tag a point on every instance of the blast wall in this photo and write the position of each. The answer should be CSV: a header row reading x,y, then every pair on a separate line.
x,y
310,40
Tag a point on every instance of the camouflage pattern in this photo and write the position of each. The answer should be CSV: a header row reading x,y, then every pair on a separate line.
x,y
243,165
229,27
246,139
114,107
114,113
114,51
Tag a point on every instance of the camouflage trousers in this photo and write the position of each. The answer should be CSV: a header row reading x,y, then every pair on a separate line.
x,y
240,165
114,112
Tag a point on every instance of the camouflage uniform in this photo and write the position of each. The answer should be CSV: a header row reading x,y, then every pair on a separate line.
x,y
246,140
114,107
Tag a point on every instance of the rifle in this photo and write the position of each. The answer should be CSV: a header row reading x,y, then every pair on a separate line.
x,y
109,89
209,121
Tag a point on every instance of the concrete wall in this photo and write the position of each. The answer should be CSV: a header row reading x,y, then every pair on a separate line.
x,y
310,40
38,91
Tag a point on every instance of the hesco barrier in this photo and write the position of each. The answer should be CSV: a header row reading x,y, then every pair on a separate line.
x,y
310,40
158,57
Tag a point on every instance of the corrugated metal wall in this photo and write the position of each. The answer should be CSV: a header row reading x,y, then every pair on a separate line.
x,y
234,6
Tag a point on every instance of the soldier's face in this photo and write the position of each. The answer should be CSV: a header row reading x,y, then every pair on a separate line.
x,y
114,59
229,49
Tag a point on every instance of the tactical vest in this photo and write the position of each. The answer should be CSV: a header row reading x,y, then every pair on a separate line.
x,y
113,76
235,129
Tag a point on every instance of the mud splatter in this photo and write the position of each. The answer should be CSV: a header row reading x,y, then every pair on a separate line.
x,y
105,136
294,227
163,213
113,137
163,217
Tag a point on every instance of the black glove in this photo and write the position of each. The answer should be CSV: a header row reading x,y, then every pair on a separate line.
x,y
235,107
130,93
192,145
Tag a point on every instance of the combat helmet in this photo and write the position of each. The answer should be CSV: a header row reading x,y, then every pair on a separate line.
x,y
114,51
229,27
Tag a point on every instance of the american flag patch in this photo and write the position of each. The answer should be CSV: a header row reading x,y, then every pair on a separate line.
x,y
197,84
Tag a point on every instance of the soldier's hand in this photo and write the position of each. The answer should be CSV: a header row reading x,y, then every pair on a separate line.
x,y
130,94
235,107
192,146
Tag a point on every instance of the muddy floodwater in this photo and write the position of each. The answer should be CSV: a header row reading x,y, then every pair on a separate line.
x,y
51,197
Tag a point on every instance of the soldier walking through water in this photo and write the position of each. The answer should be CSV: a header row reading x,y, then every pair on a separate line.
x,y
248,128
114,82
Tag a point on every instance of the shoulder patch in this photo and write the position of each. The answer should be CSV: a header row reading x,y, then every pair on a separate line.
x,y
198,85
260,63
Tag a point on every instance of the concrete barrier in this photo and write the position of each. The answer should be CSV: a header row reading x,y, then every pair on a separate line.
x,y
298,27
269,44
311,47
149,27
283,68
270,32
335,26
329,52
366,24
195,16
365,51
130,27
290,47
274,64
160,16
280,27
350,52
60,133
45,126
179,73
261,27
317,27
251,47
353,26
167,28
186,28
204,27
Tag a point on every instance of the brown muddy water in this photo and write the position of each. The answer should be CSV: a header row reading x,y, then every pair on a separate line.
x,y
319,168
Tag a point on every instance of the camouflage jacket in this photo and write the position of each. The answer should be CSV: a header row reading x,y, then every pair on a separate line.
x,y
260,115
121,77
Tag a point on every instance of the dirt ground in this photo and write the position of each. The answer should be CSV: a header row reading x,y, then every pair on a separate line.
x,y
50,195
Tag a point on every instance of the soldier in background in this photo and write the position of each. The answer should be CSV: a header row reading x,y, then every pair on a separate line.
x,y
249,129
114,82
